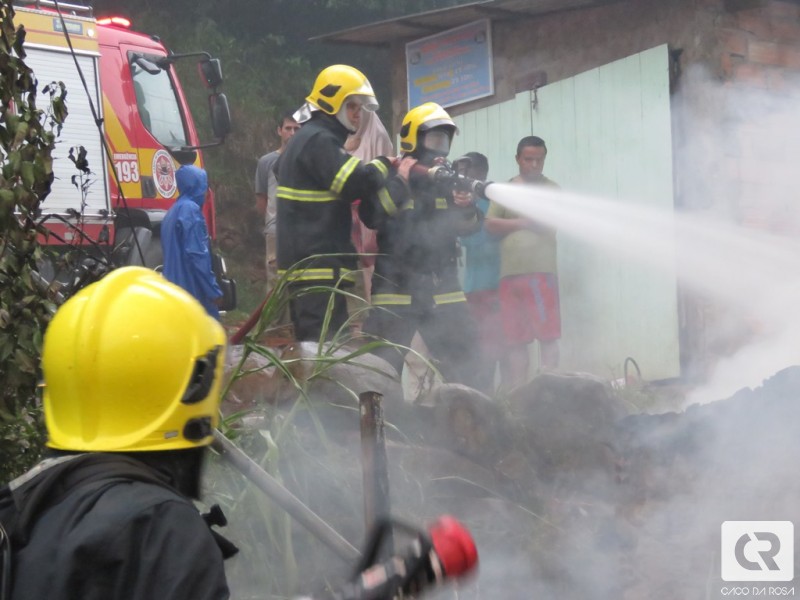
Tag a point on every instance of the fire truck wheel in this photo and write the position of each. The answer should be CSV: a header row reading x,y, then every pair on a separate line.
x,y
154,255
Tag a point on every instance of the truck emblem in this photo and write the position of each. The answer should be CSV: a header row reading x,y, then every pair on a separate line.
x,y
164,173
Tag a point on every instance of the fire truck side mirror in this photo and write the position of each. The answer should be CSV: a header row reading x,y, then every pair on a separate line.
x,y
145,64
220,115
211,72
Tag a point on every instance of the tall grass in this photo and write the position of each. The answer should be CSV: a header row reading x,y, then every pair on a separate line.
x,y
279,559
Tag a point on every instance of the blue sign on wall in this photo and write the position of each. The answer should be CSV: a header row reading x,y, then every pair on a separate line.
x,y
452,67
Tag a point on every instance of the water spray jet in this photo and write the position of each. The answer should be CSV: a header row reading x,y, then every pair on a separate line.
x,y
751,271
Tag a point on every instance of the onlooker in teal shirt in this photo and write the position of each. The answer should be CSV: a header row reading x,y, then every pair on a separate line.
x,y
482,276
482,266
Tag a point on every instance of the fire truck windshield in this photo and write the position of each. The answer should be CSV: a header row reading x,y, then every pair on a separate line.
x,y
158,106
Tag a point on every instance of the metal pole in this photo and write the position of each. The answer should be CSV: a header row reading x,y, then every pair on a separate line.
x,y
373,463
284,498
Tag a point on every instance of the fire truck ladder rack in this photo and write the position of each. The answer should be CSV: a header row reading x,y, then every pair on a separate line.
x,y
78,10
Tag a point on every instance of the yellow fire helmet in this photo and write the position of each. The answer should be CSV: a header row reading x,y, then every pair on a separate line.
x,y
422,118
336,83
132,363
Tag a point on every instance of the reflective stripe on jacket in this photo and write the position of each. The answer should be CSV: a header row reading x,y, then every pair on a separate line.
x,y
317,182
406,299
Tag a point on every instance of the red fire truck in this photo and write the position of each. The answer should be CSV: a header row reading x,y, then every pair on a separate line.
x,y
128,111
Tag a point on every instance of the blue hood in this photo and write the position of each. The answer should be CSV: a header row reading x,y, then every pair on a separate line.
x,y
192,183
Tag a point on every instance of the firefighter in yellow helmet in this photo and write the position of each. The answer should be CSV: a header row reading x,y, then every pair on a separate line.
x,y
132,370
415,287
317,182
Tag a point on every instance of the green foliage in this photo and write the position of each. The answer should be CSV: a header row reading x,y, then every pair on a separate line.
x,y
27,137
301,371
274,547
262,530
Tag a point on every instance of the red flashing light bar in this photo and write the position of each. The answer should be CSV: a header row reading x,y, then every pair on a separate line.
x,y
118,21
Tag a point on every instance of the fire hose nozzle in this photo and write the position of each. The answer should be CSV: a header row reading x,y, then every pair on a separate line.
x,y
443,174
436,174
479,188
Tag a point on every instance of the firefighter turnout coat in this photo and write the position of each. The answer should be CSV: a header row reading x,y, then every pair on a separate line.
x,y
317,182
415,285
106,527
418,226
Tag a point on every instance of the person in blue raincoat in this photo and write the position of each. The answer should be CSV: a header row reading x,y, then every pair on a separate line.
x,y
184,236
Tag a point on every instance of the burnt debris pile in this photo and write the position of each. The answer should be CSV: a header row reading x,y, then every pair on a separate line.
x,y
567,493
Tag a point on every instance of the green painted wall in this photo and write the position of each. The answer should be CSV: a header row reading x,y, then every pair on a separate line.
x,y
608,133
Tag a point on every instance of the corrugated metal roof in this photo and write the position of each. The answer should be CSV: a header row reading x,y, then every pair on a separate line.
x,y
401,29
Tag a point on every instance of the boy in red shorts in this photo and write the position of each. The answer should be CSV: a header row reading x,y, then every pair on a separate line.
x,y
528,274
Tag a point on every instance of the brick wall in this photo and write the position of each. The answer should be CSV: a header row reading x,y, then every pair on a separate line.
x,y
761,43
759,60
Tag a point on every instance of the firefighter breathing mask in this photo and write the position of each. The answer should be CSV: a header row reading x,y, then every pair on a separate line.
x,y
434,145
132,363
437,140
